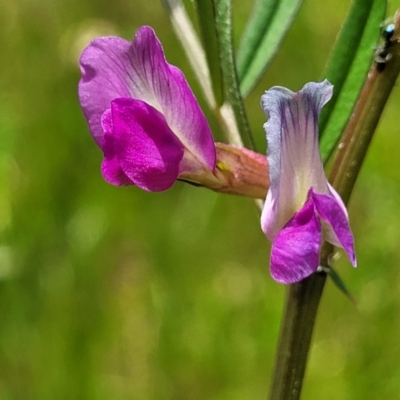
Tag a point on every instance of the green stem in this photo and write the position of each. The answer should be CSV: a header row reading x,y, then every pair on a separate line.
x,y
361,127
223,23
303,298
208,31
301,307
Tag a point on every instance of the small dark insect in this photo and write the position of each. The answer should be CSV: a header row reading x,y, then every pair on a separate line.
x,y
382,54
388,33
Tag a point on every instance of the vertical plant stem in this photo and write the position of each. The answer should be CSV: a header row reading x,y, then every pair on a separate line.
x,y
301,307
235,107
361,127
303,298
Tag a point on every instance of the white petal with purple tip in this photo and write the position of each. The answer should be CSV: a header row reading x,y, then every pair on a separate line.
x,y
301,208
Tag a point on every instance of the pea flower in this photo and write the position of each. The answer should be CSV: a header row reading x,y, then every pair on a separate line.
x,y
143,114
301,208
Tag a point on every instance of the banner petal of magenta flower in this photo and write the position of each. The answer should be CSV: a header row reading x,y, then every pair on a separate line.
x,y
142,113
301,208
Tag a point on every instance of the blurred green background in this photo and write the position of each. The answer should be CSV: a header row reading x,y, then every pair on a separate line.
x,y
114,293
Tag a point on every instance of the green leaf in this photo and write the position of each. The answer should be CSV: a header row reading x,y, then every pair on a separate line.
x,y
223,23
205,11
337,280
347,68
265,30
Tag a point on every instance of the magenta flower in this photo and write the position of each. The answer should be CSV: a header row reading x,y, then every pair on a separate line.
x,y
143,114
301,208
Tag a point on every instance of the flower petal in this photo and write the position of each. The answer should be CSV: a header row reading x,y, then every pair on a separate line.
x,y
104,78
295,250
110,167
176,100
332,212
114,68
147,150
293,154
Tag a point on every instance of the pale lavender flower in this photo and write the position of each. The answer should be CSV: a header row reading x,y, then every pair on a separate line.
x,y
301,208
142,113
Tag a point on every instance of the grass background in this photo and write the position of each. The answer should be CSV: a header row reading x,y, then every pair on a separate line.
x,y
115,293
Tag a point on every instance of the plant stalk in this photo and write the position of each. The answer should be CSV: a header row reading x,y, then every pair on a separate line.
x,y
301,307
